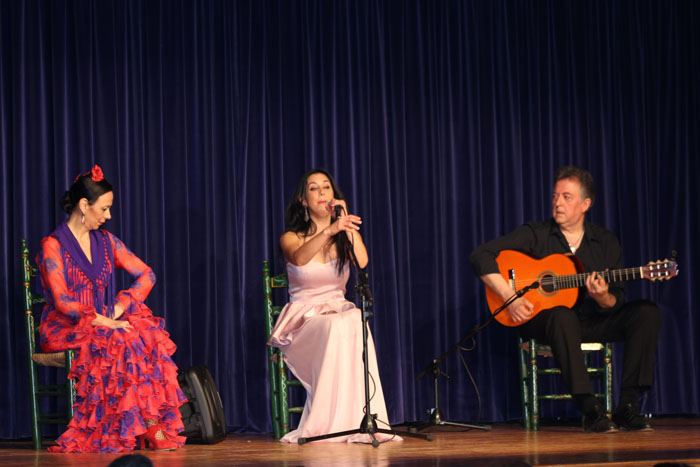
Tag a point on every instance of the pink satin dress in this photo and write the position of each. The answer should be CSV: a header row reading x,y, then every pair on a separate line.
x,y
320,333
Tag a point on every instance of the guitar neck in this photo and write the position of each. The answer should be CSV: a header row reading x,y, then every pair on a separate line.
x,y
616,275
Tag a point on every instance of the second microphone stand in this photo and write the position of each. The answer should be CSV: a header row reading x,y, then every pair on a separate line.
x,y
434,367
368,424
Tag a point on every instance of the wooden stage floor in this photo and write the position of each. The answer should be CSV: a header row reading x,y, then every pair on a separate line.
x,y
675,440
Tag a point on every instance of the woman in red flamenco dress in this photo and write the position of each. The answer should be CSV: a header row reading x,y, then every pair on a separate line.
x,y
126,382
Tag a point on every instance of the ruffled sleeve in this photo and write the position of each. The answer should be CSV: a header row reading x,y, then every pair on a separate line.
x,y
144,278
53,279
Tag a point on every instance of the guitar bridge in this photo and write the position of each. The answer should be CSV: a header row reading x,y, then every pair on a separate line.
x,y
511,279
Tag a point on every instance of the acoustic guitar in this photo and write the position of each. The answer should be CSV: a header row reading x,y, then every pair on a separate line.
x,y
562,280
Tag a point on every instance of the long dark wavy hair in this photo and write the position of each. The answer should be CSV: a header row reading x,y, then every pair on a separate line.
x,y
294,215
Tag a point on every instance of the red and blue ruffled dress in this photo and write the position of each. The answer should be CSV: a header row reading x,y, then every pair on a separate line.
x,y
122,377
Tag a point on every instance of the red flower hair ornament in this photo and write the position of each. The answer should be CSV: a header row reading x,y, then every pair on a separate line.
x,y
96,174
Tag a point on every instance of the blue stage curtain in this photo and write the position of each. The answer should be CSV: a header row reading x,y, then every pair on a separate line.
x,y
443,122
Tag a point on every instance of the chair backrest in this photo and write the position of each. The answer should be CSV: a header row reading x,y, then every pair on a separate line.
x,y
270,282
275,362
279,380
29,298
64,389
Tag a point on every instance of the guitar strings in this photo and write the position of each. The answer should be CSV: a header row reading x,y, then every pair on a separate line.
x,y
656,270
551,279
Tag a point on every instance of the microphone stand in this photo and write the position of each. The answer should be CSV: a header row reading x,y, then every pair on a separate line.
x,y
368,424
434,367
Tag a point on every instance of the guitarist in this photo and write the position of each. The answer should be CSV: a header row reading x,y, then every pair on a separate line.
x,y
603,315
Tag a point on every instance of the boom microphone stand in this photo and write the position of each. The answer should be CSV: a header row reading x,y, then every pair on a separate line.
x,y
368,424
434,367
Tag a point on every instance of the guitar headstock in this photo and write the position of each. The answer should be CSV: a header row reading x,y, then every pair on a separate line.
x,y
660,270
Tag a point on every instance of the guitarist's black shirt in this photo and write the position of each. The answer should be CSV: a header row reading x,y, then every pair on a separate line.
x,y
599,250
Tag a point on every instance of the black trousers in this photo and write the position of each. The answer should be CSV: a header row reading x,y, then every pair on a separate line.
x,y
636,324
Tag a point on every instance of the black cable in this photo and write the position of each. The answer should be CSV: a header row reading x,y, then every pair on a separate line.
x,y
471,378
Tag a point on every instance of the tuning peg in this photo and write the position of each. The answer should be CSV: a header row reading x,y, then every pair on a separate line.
x,y
674,255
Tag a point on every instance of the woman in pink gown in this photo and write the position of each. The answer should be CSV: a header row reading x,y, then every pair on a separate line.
x,y
319,331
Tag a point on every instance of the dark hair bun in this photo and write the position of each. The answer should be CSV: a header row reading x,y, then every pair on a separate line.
x,y
84,186
66,203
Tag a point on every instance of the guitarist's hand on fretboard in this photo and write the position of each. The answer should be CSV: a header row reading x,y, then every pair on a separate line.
x,y
598,290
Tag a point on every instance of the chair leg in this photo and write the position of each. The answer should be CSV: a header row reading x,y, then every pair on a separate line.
x,y
283,396
608,379
534,396
274,391
524,392
34,407
33,382
71,384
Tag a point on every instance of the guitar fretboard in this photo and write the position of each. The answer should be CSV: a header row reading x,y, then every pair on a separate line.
x,y
579,280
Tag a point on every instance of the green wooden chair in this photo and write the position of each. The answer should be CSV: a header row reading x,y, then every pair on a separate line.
x,y
34,359
278,372
529,374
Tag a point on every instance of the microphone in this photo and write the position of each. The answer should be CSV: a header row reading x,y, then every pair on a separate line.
x,y
524,290
336,210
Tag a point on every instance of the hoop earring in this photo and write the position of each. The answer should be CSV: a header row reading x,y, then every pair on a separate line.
x,y
306,214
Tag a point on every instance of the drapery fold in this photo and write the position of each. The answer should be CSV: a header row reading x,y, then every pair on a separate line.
x,y
442,121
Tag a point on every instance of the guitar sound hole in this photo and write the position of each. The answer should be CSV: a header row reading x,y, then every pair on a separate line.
x,y
547,283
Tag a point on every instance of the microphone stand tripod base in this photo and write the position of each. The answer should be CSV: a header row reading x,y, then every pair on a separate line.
x,y
368,426
435,413
436,420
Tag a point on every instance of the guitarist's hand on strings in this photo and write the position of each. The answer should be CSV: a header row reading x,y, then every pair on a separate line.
x,y
520,310
598,290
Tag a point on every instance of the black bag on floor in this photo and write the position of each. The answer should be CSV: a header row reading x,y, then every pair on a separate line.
x,y
203,413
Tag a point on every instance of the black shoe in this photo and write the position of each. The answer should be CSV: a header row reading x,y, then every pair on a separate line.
x,y
628,418
596,421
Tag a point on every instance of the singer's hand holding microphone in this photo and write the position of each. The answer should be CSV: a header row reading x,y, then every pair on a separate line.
x,y
341,220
